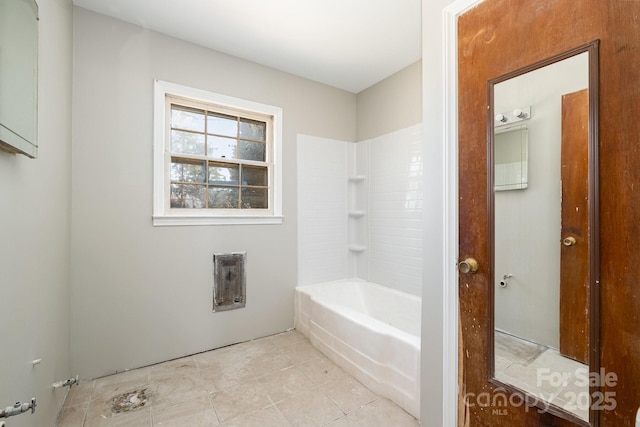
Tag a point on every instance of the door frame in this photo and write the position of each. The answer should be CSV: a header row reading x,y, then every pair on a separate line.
x,y
450,202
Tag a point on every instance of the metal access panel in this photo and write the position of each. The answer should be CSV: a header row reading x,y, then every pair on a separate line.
x,y
229,281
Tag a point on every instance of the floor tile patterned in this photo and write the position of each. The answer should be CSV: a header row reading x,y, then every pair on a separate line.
x,y
279,381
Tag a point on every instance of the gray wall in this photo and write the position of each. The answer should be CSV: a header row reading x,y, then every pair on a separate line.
x,y
141,294
34,237
391,104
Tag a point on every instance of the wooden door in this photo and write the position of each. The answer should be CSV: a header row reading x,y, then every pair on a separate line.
x,y
496,37
574,252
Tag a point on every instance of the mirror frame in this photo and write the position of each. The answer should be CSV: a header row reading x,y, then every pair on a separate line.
x,y
594,234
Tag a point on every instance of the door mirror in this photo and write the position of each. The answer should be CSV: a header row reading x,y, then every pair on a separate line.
x,y
543,241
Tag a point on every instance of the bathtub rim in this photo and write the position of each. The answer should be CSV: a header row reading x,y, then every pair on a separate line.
x,y
329,301
342,353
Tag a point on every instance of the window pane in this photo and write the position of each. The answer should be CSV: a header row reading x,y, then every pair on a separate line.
x,y
187,119
187,142
222,173
223,148
253,129
221,124
223,197
254,176
187,196
255,198
252,151
186,170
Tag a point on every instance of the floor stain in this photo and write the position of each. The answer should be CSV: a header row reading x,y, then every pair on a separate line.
x,y
129,401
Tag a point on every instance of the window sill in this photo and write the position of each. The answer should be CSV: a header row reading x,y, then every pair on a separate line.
x,y
177,220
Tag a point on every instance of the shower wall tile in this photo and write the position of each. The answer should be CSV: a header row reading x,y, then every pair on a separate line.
x,y
322,210
393,225
396,210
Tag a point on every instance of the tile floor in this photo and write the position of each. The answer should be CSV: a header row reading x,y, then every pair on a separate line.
x,y
279,381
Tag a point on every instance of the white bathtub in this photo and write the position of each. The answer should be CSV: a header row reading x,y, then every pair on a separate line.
x,y
371,331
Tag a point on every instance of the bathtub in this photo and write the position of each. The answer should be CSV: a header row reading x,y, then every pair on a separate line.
x,y
369,330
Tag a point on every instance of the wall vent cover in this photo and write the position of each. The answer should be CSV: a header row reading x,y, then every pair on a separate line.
x,y
229,283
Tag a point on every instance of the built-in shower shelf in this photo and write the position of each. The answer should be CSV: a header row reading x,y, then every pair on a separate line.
x,y
357,178
357,213
357,248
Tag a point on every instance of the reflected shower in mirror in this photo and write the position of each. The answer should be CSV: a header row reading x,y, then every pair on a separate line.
x,y
541,236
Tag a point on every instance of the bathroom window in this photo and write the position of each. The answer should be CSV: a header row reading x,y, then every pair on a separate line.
x,y
217,159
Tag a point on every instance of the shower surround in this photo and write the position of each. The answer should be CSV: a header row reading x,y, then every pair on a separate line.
x,y
360,218
360,210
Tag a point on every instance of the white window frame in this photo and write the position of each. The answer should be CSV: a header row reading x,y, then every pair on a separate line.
x,y
163,215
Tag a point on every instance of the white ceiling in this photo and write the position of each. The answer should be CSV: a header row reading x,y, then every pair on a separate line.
x,y
348,44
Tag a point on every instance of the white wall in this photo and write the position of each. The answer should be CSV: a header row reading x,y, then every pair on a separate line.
x,y
35,237
142,294
434,350
528,221
322,209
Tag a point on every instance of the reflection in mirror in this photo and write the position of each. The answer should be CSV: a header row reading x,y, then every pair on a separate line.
x,y
541,286
510,157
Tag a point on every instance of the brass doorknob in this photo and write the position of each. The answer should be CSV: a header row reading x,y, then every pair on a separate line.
x,y
569,241
469,265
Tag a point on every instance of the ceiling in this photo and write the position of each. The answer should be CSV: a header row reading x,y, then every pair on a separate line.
x,y
348,44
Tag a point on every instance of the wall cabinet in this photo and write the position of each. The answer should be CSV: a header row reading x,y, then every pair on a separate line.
x,y
19,76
